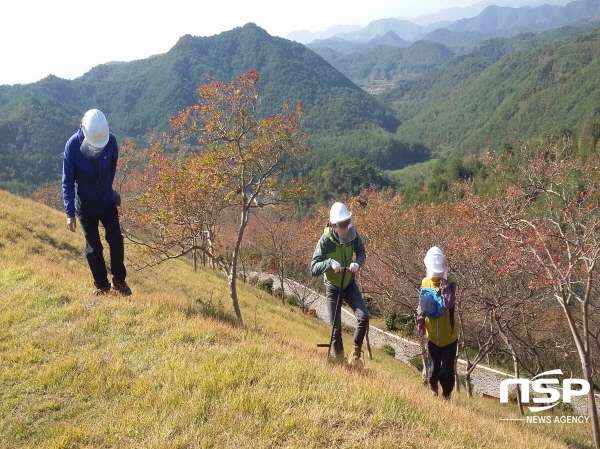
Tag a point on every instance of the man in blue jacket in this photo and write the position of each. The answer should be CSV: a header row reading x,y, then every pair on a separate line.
x,y
89,167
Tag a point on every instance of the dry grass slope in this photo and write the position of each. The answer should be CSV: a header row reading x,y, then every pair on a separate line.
x,y
165,368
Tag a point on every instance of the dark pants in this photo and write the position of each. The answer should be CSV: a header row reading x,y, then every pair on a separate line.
x,y
93,246
440,366
354,299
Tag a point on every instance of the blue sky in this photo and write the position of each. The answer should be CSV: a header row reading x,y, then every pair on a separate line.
x,y
67,38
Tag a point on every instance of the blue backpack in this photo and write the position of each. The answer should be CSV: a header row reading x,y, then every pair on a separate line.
x,y
431,303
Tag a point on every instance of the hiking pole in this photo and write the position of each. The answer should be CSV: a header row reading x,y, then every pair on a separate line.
x,y
338,307
367,337
368,344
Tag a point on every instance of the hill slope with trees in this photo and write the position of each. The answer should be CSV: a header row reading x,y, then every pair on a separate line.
x,y
138,97
493,96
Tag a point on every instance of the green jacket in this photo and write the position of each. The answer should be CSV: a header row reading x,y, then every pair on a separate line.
x,y
328,248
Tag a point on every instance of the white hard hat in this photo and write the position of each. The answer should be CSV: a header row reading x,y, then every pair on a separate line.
x,y
339,212
95,128
435,262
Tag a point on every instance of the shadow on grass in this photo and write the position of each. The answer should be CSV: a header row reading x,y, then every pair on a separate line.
x,y
577,444
212,309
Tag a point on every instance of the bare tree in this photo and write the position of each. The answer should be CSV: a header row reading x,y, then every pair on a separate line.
x,y
549,215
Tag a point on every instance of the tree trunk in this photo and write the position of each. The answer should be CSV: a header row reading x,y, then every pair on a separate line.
x,y
231,278
195,257
582,344
232,275
516,370
515,359
281,275
468,383
592,410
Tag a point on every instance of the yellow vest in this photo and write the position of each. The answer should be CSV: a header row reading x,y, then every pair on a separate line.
x,y
440,330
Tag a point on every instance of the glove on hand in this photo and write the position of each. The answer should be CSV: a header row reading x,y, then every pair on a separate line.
x,y
335,266
354,267
71,224
421,330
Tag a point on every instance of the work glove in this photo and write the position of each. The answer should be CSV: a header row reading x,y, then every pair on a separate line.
x,y
354,267
335,266
421,330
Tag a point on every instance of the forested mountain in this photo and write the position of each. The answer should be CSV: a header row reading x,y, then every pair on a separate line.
x,y
139,96
378,67
503,90
494,96
386,63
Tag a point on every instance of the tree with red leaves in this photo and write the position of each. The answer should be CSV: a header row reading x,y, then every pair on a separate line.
x,y
229,160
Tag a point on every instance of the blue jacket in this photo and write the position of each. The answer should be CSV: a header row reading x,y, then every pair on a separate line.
x,y
87,183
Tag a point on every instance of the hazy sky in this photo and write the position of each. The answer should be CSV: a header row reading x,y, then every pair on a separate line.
x,y
66,38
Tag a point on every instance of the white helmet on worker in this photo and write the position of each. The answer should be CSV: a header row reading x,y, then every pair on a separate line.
x,y
339,213
95,128
435,263
341,218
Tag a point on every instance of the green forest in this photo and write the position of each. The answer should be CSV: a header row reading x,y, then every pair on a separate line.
x,y
417,134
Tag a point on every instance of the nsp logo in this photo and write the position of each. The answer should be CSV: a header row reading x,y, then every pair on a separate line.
x,y
539,386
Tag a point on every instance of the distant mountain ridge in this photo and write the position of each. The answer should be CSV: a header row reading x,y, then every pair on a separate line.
x,y
456,13
427,21
305,36
506,21
492,21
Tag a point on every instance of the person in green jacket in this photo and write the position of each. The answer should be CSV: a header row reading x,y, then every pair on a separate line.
x,y
442,332
339,254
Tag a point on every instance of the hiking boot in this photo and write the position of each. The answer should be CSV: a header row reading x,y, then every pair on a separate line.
x,y
355,357
337,358
338,354
433,389
121,287
102,290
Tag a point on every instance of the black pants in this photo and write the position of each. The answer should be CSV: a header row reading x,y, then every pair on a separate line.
x,y
93,246
440,366
351,294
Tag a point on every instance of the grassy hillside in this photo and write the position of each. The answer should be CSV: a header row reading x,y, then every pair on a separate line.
x,y
165,368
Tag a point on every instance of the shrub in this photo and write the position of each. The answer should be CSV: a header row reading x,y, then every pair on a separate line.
x,y
389,350
390,322
292,300
405,324
417,362
266,285
347,328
